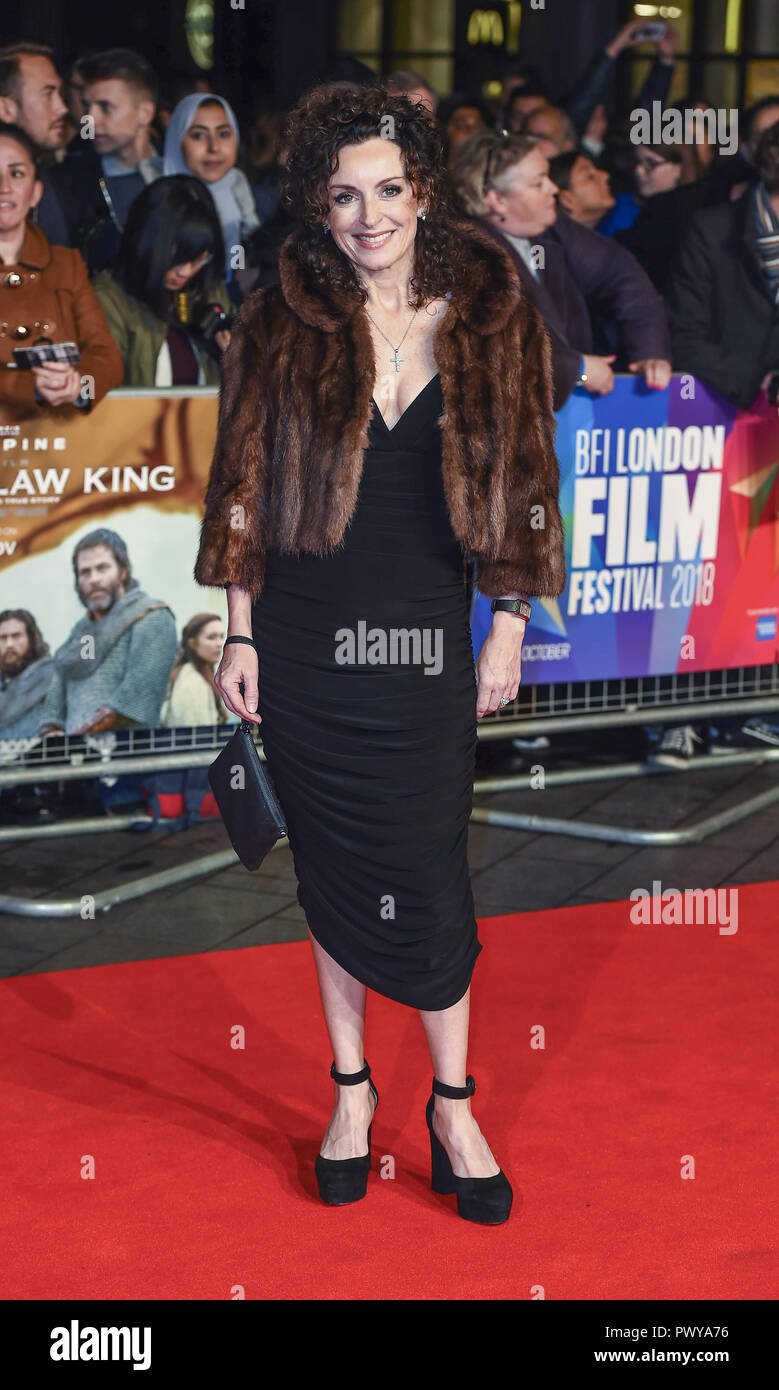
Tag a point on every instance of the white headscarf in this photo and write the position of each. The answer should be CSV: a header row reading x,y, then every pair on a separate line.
x,y
232,194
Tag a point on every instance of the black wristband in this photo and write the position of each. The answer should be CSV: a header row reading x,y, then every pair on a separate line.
x,y
518,606
249,640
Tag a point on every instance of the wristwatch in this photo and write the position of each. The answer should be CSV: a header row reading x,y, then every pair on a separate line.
x,y
520,606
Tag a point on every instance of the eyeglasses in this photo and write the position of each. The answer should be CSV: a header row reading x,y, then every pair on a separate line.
x,y
502,136
198,264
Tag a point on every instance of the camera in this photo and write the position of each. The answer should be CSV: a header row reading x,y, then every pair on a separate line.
x,y
203,323
651,32
212,321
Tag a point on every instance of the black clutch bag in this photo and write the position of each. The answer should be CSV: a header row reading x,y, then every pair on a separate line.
x,y
246,798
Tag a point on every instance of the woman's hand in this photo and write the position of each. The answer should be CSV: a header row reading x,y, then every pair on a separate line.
x,y
57,382
499,666
600,377
657,372
222,338
240,663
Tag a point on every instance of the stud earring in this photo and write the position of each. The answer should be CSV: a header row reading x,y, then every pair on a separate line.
x,y
423,215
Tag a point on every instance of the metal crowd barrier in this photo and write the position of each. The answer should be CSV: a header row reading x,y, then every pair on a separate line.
x,y
547,709
608,704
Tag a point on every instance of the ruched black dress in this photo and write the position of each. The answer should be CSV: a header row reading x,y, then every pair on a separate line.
x,y
370,736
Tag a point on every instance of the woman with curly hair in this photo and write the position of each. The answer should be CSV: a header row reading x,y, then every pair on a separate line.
x,y
385,412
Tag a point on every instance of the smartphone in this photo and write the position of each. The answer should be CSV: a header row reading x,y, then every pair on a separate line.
x,y
650,32
28,357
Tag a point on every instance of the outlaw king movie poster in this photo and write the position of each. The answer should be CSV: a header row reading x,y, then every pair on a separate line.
x,y
671,520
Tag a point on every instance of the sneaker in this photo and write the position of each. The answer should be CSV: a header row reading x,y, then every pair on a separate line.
x,y
676,747
764,733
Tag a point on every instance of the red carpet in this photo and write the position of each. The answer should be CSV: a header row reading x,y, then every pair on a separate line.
x,y
658,1045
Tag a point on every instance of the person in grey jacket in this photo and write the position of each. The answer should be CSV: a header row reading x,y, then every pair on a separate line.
x,y
112,670
26,669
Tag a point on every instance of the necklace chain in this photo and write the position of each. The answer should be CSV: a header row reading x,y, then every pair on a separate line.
x,y
397,360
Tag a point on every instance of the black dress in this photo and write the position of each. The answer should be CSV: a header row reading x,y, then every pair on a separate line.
x,y
372,746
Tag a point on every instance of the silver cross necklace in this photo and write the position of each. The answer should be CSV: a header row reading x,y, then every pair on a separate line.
x,y
397,360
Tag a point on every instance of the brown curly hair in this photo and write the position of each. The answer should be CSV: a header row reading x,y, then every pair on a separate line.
x,y
327,118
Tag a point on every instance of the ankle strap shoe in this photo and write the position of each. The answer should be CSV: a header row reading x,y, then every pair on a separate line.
x,y
344,1180
350,1078
454,1092
485,1200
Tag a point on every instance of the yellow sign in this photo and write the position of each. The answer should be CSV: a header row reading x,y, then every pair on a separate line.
x,y
485,26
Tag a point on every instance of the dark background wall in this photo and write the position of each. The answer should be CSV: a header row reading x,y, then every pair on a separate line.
x,y
561,38
71,26
279,49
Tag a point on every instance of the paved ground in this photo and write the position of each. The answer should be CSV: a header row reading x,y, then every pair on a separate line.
x,y
511,870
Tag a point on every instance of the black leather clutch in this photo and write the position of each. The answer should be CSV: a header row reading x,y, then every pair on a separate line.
x,y
246,798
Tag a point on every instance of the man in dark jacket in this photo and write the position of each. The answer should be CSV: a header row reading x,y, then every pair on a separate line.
x,y
102,176
723,291
31,97
663,220
585,287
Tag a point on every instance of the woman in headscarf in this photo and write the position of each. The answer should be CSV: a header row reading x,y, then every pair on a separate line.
x,y
202,138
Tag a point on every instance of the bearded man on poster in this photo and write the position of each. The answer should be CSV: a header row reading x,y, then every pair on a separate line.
x,y
111,671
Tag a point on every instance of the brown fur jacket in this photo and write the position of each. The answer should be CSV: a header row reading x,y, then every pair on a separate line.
x,y
295,405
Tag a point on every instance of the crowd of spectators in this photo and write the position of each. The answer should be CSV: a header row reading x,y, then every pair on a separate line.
x,y
642,257
136,215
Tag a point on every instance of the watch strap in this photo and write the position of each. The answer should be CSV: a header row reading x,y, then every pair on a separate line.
x,y
520,606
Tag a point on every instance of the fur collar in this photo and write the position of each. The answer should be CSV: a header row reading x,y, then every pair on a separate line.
x,y
295,412
484,299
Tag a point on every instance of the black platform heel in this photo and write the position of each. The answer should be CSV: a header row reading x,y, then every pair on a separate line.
x,y
343,1180
487,1200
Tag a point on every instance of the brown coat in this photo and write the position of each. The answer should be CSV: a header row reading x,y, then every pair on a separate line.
x,y
295,405
55,292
